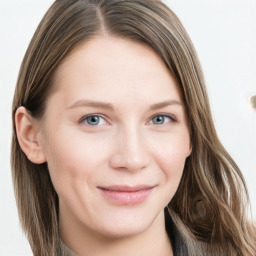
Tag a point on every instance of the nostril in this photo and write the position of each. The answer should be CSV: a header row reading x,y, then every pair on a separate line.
x,y
129,162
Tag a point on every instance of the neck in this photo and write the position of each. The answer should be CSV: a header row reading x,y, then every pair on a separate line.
x,y
152,241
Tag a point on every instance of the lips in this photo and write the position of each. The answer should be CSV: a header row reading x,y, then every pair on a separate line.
x,y
126,195
124,188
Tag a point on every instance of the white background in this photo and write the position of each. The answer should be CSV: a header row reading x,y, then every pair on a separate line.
x,y
224,34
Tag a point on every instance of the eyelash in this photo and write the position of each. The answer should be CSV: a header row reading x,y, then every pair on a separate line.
x,y
172,118
83,119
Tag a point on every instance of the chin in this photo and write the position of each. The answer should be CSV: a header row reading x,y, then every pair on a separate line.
x,y
123,231
127,225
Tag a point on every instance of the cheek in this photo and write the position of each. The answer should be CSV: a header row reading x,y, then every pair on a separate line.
x,y
172,165
171,156
73,160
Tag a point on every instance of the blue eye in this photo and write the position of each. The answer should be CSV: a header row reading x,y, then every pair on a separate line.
x,y
93,120
162,119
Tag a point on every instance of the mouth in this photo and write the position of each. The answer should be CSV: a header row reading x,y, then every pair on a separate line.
x,y
126,195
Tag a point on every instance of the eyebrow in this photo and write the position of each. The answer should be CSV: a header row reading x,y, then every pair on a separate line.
x,y
163,104
90,103
109,106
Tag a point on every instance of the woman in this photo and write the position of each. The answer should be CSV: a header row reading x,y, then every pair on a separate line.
x,y
114,150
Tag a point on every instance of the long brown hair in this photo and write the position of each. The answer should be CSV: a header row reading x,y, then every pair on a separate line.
x,y
211,179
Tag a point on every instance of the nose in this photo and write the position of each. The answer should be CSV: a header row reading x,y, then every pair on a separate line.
x,y
129,151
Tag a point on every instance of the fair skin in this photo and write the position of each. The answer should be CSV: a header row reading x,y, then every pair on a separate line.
x,y
116,171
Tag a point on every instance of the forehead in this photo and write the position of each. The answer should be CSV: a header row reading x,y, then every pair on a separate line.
x,y
110,66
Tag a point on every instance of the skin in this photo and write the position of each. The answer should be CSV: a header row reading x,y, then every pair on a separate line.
x,y
129,146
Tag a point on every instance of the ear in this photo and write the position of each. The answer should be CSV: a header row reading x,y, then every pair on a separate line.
x,y
27,134
189,149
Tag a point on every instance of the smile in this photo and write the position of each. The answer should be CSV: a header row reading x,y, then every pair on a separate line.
x,y
126,195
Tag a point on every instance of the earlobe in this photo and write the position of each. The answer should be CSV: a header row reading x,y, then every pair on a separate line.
x,y
27,135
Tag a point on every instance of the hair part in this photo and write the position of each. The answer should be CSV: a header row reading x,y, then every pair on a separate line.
x,y
210,175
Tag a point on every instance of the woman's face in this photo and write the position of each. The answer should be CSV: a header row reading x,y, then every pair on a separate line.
x,y
115,137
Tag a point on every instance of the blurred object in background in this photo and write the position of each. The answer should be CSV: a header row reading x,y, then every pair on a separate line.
x,y
253,101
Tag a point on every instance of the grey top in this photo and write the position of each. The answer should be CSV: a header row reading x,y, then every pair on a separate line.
x,y
68,251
